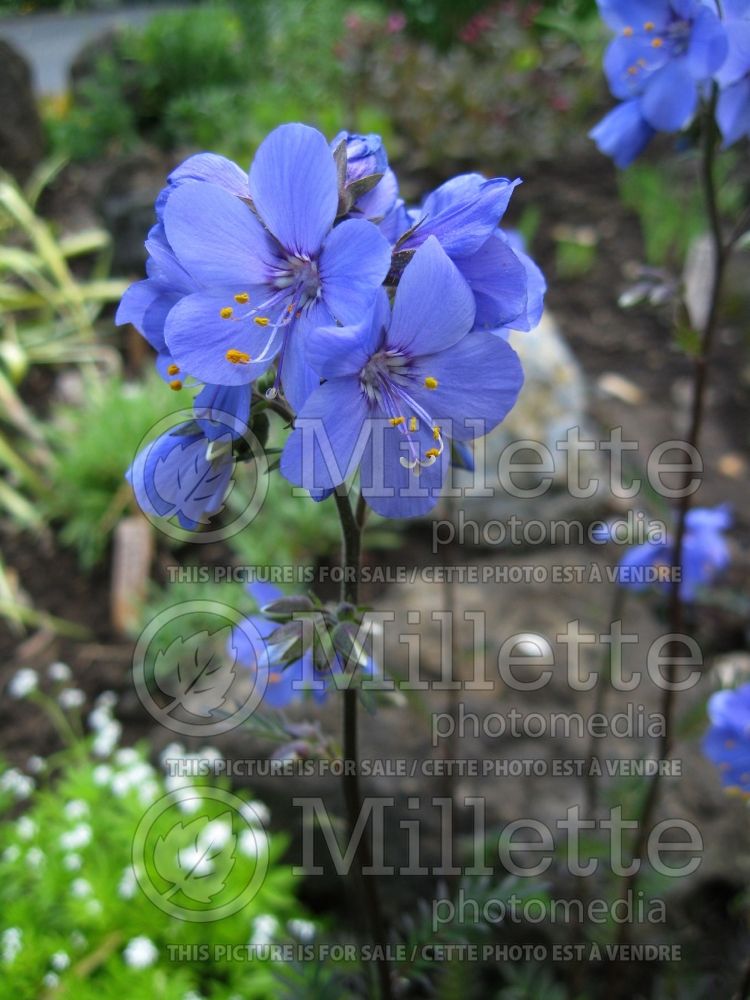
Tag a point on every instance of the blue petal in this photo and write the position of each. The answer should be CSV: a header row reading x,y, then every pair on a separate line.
x,y
294,186
621,14
465,405
434,306
671,97
708,45
737,64
498,279
216,237
468,220
335,351
199,340
322,451
353,264
222,409
391,489
733,112
376,204
623,134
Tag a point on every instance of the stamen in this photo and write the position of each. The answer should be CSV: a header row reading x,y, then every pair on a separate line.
x,y
657,43
649,25
261,320
396,421
226,313
242,298
436,433
628,32
413,424
430,382
632,70
173,369
432,453
235,357
176,385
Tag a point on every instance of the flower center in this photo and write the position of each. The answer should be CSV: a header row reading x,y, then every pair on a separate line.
x,y
302,276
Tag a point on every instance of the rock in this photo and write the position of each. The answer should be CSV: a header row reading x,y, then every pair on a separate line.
x,y
126,204
22,141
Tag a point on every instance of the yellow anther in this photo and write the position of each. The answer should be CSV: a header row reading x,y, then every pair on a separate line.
x,y
226,312
173,369
632,70
436,433
657,43
237,357
413,424
176,385
274,677
642,63
261,320
242,298
432,453
396,421
628,32
649,25
430,382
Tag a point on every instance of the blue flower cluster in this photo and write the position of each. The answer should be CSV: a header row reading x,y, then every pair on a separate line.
x,y
727,741
665,56
383,329
705,553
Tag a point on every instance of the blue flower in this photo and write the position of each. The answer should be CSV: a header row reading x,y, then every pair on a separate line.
x,y
270,274
146,305
291,681
184,475
463,215
733,106
727,741
623,134
705,554
663,52
366,157
398,386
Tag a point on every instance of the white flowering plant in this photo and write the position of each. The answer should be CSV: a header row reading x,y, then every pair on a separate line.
x,y
76,921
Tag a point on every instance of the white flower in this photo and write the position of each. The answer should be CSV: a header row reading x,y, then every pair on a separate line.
x,y
71,698
26,828
59,672
36,764
140,953
255,813
264,928
76,809
210,754
107,737
78,940
23,683
94,907
193,859
80,888
216,834
253,842
10,944
148,792
172,751
79,836
13,780
72,862
126,756
128,884
35,857
302,929
192,995
51,980
107,698
102,774
60,960
12,853
174,782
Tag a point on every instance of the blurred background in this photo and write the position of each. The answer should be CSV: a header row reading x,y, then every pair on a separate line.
x,y
100,101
